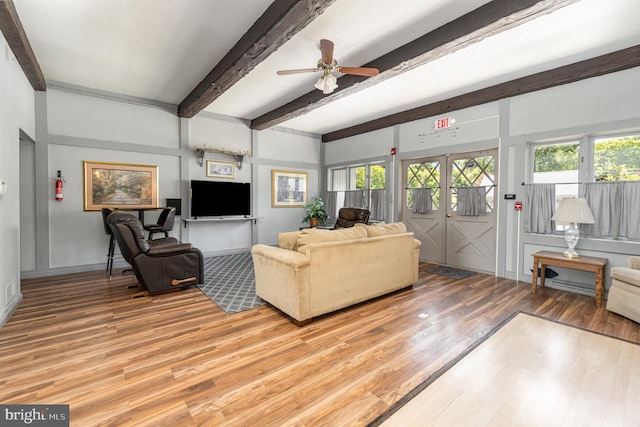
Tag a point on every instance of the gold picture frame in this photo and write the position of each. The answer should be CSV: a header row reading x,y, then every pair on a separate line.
x,y
218,169
288,189
119,185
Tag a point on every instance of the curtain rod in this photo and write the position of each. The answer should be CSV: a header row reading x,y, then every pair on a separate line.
x,y
477,186
420,188
554,183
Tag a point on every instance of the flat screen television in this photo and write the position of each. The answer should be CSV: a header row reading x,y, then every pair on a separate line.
x,y
220,198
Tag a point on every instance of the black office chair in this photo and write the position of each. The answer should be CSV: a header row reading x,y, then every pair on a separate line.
x,y
112,242
165,223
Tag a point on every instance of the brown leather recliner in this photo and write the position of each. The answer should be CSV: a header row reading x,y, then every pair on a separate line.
x,y
348,217
161,264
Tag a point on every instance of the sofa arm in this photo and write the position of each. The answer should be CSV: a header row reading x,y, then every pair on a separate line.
x,y
418,243
627,275
293,258
282,279
633,262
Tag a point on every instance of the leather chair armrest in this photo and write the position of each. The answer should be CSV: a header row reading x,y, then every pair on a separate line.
x,y
165,241
170,250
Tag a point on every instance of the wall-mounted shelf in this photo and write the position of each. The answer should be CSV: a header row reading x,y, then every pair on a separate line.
x,y
238,155
255,219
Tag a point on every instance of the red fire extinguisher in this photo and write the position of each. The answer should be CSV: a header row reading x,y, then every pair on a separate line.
x,y
59,187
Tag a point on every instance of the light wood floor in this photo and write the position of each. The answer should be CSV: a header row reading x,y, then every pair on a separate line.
x,y
178,360
533,372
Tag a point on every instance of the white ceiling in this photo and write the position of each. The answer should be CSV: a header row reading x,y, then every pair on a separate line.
x,y
161,49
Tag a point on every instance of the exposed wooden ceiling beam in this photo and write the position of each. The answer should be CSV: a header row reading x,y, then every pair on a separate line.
x,y
490,19
281,21
13,32
605,64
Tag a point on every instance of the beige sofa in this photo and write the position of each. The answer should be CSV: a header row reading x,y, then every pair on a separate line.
x,y
624,294
314,272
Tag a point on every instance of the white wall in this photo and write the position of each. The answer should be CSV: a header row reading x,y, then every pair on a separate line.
x,y
76,115
605,104
607,99
93,127
17,111
281,150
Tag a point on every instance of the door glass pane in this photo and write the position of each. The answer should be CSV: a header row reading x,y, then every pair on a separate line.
x,y
617,159
473,172
424,175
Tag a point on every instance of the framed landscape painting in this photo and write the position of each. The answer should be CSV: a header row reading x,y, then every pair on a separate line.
x,y
288,189
119,185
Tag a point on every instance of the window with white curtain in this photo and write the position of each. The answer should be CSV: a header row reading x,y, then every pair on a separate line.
x,y
370,178
599,159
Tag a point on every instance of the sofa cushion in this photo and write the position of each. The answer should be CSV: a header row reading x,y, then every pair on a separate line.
x,y
382,229
288,240
314,235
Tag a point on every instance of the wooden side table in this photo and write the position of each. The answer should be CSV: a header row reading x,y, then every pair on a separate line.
x,y
583,263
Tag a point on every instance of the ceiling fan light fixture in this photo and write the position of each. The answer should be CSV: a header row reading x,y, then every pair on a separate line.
x,y
327,83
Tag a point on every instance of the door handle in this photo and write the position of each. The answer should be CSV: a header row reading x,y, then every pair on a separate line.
x,y
449,215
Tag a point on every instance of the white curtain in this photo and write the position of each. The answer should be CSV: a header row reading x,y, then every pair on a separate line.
x,y
615,207
472,201
331,203
354,199
422,201
539,207
377,204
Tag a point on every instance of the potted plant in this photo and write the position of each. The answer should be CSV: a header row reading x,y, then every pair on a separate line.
x,y
316,213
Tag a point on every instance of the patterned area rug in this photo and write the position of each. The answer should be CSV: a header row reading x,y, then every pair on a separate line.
x,y
451,272
230,282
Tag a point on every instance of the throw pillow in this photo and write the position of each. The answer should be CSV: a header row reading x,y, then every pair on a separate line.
x,y
288,240
385,229
314,235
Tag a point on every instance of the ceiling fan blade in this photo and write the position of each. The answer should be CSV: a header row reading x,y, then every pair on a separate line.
x,y
326,47
358,71
302,70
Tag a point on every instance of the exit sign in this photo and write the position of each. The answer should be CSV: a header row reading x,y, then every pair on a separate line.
x,y
444,123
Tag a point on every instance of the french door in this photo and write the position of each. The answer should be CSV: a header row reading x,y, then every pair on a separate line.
x,y
448,235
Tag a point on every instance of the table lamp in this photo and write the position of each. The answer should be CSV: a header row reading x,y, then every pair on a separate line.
x,y
572,211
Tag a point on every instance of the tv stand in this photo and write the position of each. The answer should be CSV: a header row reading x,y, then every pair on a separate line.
x,y
186,221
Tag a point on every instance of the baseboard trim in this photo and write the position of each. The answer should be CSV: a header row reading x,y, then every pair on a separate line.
x,y
118,263
11,308
576,288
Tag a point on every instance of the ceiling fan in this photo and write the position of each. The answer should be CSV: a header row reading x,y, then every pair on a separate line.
x,y
327,65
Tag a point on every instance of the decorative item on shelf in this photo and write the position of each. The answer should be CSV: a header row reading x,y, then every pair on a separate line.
x,y
217,169
238,155
572,211
316,212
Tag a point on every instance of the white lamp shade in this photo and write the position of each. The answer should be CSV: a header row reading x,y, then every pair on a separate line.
x,y
573,210
327,83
